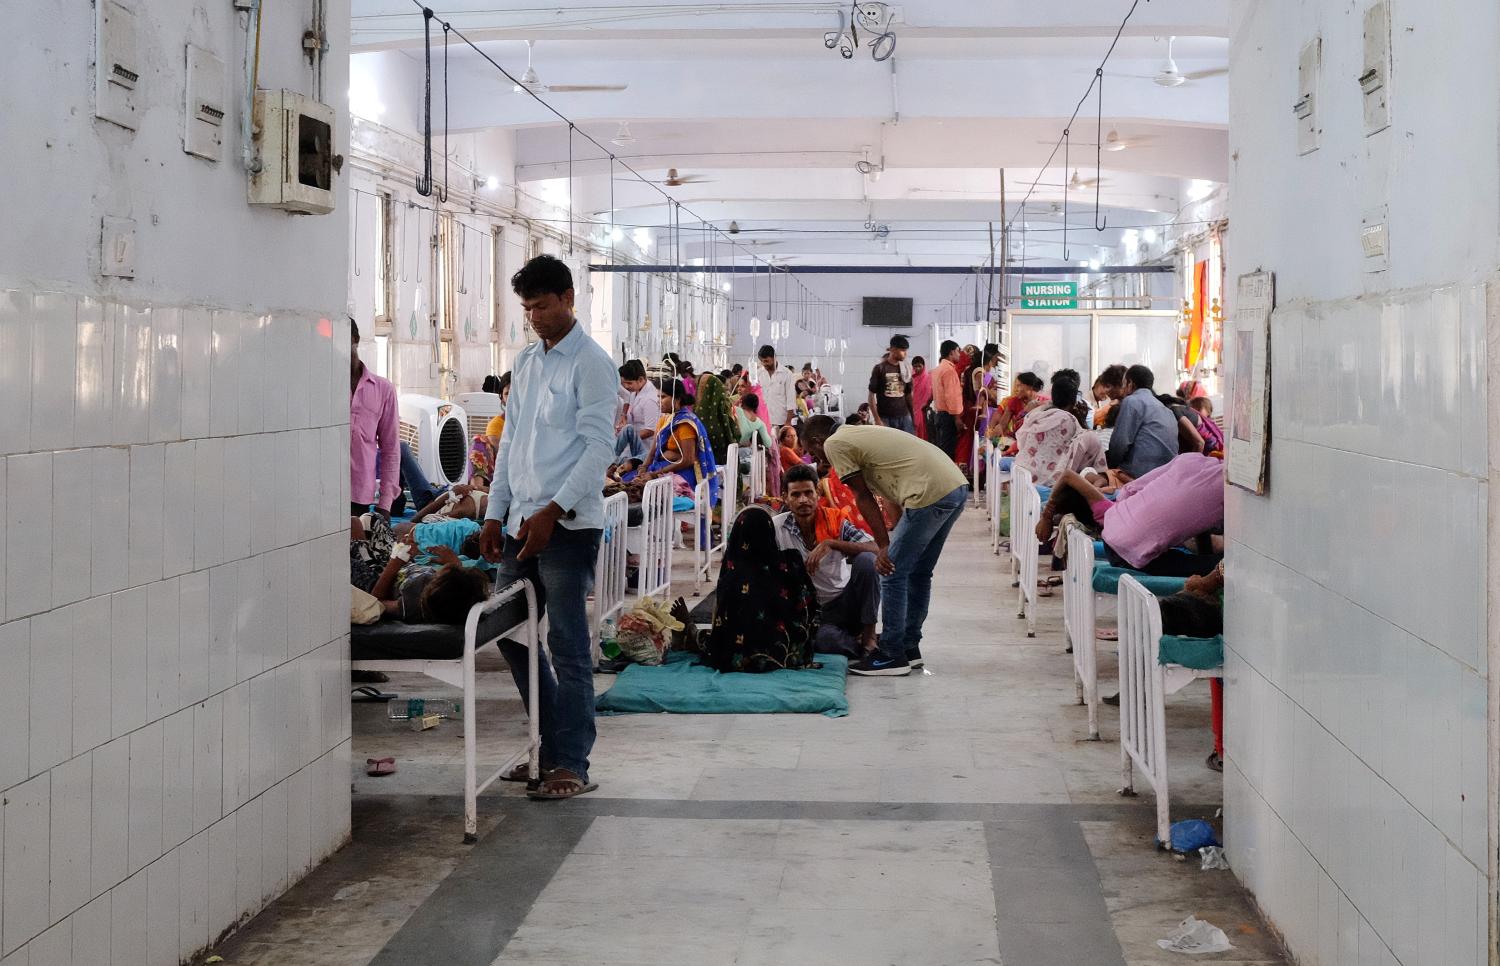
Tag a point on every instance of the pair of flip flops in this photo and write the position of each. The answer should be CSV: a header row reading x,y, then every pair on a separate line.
x,y
380,767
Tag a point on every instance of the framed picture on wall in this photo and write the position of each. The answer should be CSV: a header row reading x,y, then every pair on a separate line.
x,y
1247,344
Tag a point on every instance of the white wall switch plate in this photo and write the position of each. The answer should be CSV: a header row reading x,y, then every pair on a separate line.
x,y
203,121
117,248
117,64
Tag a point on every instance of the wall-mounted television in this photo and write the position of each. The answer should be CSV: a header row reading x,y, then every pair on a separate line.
x,y
887,313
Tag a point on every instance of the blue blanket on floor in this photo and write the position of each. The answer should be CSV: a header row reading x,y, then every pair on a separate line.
x,y
682,686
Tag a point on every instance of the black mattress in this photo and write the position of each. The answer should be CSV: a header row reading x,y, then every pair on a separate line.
x,y
399,641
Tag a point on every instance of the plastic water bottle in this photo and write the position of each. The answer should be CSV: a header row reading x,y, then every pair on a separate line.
x,y
607,634
401,709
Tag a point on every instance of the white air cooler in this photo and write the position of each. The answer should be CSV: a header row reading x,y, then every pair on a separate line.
x,y
437,433
481,407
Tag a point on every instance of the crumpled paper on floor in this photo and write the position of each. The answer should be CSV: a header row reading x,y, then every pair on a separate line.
x,y
1213,857
1195,936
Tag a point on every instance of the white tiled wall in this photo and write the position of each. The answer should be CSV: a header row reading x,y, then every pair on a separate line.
x,y
1356,778
172,629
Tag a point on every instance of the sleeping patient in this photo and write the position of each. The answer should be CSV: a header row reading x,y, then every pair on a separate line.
x,y
418,584
463,502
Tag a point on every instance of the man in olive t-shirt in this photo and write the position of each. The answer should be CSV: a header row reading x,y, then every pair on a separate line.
x,y
919,479
890,388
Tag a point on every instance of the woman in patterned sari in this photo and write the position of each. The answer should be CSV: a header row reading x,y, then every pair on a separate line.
x,y
682,445
766,610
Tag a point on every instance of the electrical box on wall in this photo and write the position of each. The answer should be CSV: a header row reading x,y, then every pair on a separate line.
x,y
1375,239
203,122
117,247
117,65
295,144
1375,80
1309,67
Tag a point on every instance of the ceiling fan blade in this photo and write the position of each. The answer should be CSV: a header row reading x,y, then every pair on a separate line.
x,y
1205,74
582,88
694,179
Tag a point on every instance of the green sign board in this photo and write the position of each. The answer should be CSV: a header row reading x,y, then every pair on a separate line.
x,y
1049,295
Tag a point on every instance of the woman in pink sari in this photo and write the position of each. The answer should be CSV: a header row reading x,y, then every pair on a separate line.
x,y
921,394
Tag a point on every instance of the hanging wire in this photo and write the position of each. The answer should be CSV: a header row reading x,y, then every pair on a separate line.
x,y
428,14
443,195
424,183
1101,221
356,236
1098,73
1067,147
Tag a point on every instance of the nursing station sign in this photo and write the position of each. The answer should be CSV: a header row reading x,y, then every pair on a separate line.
x,y
1049,295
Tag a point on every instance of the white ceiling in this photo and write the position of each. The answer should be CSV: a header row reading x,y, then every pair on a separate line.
x,y
746,95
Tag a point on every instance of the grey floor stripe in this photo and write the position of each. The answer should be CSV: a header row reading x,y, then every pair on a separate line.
x,y
880,811
470,917
1049,903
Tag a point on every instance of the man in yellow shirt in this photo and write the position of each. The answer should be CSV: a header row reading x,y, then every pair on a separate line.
x,y
923,482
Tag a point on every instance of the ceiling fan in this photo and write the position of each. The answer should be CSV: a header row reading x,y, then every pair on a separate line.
x,y
1113,141
1170,76
530,81
674,180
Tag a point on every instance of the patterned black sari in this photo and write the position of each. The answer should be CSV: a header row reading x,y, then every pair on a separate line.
x,y
766,611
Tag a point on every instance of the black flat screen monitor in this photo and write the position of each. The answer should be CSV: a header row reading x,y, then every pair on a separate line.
x,y
887,313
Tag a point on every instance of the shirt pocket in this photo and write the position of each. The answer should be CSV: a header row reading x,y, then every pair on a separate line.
x,y
558,411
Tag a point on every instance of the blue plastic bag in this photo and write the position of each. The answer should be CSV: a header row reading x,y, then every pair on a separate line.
x,y
1191,835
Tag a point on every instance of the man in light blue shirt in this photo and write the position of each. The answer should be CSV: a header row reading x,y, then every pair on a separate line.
x,y
548,495
1145,434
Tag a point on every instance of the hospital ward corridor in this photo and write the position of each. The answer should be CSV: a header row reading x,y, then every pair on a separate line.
x,y
821,483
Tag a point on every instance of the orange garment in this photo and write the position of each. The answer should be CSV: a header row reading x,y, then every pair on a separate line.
x,y
684,433
947,389
829,524
838,496
789,458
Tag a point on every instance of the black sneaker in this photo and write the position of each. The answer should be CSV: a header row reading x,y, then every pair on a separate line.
x,y
914,658
877,666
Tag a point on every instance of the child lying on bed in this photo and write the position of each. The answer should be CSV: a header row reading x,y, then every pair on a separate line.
x,y
441,592
464,501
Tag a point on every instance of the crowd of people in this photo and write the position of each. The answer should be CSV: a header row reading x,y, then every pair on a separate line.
x,y
845,540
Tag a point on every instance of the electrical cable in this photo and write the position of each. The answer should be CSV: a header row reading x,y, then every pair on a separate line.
x,y
428,15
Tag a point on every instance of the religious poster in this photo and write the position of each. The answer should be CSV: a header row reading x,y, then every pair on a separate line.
x,y
1247,344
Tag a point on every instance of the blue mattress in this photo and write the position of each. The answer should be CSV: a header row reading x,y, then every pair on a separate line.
x,y
683,686
1199,653
1107,580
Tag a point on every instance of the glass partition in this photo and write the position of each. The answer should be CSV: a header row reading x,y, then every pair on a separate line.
x,y
1150,340
1045,343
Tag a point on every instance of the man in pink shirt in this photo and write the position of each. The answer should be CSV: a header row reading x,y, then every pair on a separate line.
x,y
372,428
1170,505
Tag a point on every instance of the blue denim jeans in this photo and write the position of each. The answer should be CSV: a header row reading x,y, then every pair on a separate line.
x,y
563,575
628,443
906,594
903,423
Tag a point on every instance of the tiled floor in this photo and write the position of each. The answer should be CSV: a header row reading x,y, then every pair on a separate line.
x,y
954,817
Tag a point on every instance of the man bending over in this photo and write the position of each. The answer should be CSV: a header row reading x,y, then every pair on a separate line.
x,y
930,491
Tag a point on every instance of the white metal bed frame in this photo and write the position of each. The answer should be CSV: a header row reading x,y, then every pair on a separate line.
x,y
1144,685
994,494
974,475
460,674
1080,606
657,536
1020,482
757,471
610,583
1025,537
704,546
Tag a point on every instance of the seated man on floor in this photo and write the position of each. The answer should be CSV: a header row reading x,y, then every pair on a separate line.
x,y
1150,516
841,559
